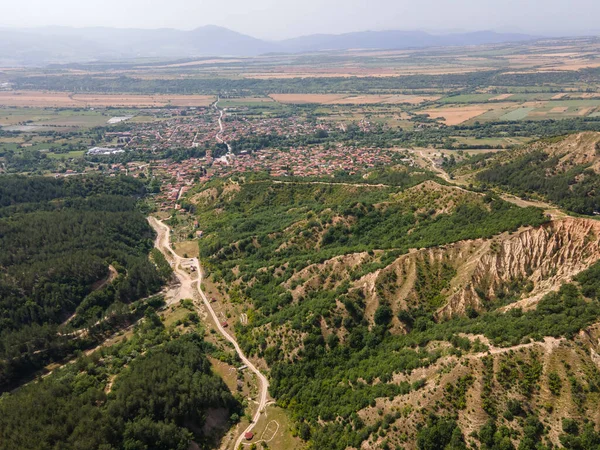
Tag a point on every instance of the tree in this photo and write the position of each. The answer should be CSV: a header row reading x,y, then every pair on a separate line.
x,y
440,433
383,315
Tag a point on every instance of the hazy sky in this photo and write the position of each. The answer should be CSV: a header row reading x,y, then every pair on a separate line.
x,y
273,19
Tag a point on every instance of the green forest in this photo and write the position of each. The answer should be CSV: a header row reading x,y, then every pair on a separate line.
x,y
336,220
59,237
575,189
107,83
285,227
152,391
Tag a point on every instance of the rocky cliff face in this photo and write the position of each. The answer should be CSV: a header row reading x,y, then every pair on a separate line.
x,y
510,270
538,259
577,149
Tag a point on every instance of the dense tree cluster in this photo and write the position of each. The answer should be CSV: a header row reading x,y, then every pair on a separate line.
x,y
286,227
249,86
58,238
440,434
121,399
576,189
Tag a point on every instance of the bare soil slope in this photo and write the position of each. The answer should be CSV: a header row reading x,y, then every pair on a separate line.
x,y
518,269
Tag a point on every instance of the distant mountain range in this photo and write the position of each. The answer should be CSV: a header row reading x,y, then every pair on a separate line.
x,y
396,40
62,44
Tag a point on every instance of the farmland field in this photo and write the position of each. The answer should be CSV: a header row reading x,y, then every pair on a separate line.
x,y
244,101
467,98
456,115
517,114
42,99
332,99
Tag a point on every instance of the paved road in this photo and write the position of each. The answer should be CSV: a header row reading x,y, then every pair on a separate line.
x,y
164,245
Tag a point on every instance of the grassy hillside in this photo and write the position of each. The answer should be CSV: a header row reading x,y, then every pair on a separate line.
x,y
565,171
267,223
419,316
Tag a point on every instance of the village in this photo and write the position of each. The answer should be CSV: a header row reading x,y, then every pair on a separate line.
x,y
178,177
195,133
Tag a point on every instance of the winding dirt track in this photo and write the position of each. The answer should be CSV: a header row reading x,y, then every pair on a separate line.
x,y
555,212
334,183
221,128
164,245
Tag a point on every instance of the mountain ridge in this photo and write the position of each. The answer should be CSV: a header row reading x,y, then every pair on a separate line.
x,y
66,44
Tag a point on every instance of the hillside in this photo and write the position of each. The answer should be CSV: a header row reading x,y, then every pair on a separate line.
x,y
414,315
66,45
564,171
62,44
507,271
395,39
400,317
154,389
60,238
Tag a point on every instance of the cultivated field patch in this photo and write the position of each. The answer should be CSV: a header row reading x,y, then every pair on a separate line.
x,y
187,249
517,114
40,99
244,101
307,98
584,111
455,116
344,99
501,97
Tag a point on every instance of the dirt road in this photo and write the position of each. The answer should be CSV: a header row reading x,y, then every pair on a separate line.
x,y
441,172
549,343
164,245
553,211
221,128
185,289
334,183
